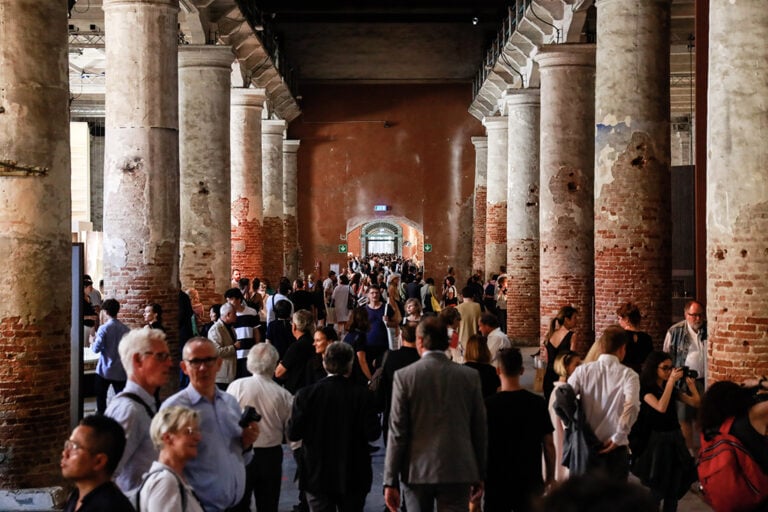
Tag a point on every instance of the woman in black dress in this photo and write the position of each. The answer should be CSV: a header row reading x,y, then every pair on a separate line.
x,y
478,356
640,343
559,339
662,461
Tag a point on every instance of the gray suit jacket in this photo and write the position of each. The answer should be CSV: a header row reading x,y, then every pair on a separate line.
x,y
437,425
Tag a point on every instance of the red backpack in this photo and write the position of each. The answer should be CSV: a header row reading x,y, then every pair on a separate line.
x,y
731,479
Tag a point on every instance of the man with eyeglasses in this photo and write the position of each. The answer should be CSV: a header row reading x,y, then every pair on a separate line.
x,y
218,472
686,343
88,459
147,362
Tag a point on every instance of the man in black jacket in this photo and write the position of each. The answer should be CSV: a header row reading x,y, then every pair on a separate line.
x,y
335,419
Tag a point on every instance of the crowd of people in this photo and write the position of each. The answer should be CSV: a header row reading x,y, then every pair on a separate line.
x,y
329,365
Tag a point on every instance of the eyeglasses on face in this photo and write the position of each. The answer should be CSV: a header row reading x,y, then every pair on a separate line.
x,y
205,361
72,446
190,431
159,356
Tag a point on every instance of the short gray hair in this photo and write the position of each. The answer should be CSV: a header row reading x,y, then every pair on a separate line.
x,y
171,419
137,341
225,309
262,359
303,320
338,358
197,339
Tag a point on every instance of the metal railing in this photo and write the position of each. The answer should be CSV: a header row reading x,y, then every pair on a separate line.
x,y
265,30
515,15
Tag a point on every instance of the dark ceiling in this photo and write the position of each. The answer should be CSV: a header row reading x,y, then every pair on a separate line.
x,y
399,41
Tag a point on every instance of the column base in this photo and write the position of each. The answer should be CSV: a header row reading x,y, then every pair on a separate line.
x,y
43,498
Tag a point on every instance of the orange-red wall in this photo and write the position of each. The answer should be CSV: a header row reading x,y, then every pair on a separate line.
x,y
421,164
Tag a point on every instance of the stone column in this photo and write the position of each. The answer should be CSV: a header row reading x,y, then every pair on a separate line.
x,y
480,200
141,162
632,180
737,192
291,226
204,241
496,216
567,177
272,186
247,205
522,107
36,243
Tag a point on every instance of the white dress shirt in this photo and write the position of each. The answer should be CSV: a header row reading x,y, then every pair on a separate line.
x,y
496,341
610,397
271,400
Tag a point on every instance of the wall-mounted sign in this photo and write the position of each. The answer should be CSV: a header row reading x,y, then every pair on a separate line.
x,y
381,208
427,247
342,248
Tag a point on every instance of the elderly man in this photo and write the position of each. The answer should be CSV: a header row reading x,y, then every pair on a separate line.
x,y
686,342
89,458
437,442
218,472
147,362
335,420
265,473
292,369
222,336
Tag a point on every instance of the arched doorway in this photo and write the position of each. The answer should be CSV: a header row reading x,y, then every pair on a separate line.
x,y
391,235
381,237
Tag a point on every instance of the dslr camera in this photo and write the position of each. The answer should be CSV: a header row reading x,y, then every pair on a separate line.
x,y
249,415
687,372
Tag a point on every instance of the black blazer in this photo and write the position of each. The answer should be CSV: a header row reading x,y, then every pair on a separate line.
x,y
335,419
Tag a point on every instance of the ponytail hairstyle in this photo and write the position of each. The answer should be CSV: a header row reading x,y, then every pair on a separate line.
x,y
559,320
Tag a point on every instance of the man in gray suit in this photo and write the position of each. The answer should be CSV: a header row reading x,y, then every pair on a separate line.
x,y
437,430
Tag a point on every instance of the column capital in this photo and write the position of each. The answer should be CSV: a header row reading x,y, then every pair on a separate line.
x,y
205,56
291,145
272,126
480,142
571,54
250,97
495,123
520,97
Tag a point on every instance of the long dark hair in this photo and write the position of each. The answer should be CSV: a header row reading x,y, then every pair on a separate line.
x,y
723,400
359,320
648,373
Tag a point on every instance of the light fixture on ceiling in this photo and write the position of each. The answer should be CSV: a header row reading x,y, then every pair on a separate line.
x,y
475,21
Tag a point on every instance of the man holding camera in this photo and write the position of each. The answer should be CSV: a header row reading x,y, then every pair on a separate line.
x,y
686,342
218,472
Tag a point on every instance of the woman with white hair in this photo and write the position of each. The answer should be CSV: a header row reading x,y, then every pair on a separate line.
x,y
263,475
175,432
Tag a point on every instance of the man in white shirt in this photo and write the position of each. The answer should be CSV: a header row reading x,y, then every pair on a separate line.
x,y
610,399
490,328
264,474
686,343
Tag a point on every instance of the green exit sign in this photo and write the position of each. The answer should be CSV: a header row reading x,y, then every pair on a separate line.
x,y
427,247
342,247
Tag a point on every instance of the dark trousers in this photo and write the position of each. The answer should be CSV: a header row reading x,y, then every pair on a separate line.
x,y
448,497
613,465
350,502
102,388
263,477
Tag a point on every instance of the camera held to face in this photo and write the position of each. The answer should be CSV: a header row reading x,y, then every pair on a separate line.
x,y
687,372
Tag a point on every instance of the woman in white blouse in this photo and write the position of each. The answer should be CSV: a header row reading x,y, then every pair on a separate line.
x,y
176,434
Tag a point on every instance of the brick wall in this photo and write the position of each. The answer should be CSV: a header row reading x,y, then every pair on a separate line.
x,y
478,228
274,243
247,249
523,291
